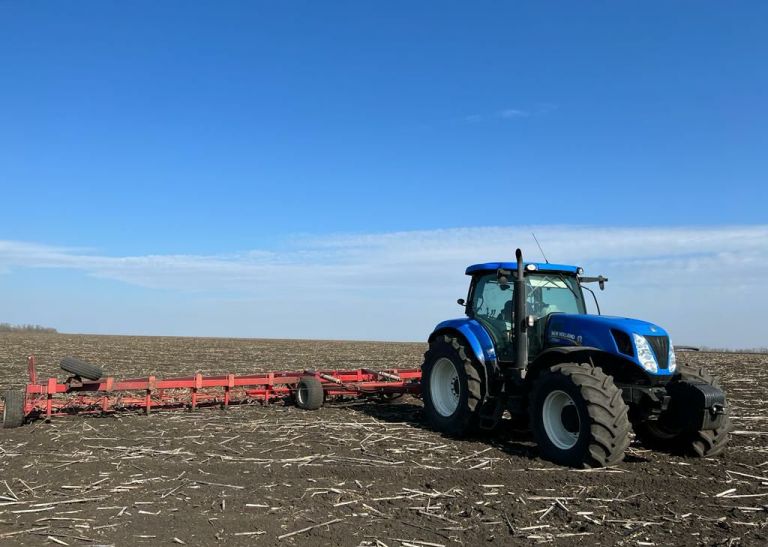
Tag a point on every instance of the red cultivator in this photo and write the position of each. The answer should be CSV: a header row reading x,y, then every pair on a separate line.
x,y
308,389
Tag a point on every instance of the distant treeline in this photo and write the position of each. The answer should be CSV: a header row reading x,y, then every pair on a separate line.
x,y
726,350
7,327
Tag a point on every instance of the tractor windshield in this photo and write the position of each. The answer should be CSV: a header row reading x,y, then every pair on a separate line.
x,y
553,292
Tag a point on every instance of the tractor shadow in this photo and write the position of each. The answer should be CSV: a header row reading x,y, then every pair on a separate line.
x,y
507,438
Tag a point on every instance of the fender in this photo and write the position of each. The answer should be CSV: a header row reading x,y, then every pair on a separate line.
x,y
552,356
564,350
480,343
474,333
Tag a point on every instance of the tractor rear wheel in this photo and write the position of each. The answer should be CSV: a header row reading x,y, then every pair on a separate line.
x,y
451,387
578,416
658,436
13,409
309,393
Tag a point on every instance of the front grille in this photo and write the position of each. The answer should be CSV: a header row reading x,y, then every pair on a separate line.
x,y
660,345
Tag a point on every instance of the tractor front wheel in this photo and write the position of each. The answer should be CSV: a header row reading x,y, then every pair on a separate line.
x,y
658,435
451,387
578,416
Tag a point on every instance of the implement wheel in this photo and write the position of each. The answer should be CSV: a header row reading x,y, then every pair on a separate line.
x,y
13,409
578,416
309,393
81,368
659,436
451,387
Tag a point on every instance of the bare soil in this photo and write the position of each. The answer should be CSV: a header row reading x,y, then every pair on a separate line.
x,y
351,474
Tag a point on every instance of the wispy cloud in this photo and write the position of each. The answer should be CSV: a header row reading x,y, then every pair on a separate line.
x,y
512,113
418,273
344,257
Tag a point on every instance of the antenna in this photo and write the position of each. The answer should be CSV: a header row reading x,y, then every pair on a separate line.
x,y
540,249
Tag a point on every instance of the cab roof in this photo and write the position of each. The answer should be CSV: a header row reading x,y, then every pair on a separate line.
x,y
542,267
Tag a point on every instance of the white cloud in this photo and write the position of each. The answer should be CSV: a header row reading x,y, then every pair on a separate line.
x,y
413,278
512,113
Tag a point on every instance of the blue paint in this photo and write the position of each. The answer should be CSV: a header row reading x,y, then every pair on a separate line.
x,y
595,331
476,335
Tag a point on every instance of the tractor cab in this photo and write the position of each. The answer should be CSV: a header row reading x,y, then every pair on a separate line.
x,y
549,289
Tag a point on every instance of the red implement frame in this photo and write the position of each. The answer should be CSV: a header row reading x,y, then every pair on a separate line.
x,y
74,396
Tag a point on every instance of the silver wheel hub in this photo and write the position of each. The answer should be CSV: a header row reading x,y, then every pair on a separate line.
x,y
445,387
561,419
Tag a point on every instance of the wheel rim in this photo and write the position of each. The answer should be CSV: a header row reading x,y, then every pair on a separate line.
x,y
301,395
561,419
444,387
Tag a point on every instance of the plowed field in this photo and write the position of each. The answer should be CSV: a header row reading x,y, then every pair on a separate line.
x,y
350,474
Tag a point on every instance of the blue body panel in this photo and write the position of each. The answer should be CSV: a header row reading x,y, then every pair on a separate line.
x,y
570,329
477,337
564,329
493,266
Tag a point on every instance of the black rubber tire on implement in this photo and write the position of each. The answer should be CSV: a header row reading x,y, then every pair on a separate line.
x,y
81,368
602,419
701,444
13,409
309,393
464,419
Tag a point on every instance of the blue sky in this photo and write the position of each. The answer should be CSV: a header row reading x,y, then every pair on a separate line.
x,y
168,167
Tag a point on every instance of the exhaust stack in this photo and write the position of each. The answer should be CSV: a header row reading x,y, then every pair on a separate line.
x,y
521,321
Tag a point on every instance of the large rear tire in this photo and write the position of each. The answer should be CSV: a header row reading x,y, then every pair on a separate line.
x,y
13,409
657,435
578,416
451,387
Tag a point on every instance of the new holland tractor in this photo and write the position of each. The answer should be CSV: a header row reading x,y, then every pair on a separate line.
x,y
581,382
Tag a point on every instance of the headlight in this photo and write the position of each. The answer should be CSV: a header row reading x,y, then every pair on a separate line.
x,y
645,354
672,359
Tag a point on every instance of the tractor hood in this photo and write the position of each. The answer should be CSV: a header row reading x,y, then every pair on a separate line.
x,y
646,344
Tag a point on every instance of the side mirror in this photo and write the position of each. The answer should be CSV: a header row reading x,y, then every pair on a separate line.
x,y
601,281
461,302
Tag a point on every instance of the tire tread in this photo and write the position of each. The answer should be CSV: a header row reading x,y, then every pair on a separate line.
x,y
468,423
610,427
13,412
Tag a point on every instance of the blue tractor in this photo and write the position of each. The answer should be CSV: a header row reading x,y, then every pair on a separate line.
x,y
582,382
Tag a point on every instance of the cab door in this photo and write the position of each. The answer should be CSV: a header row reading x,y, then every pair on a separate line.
x,y
492,306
